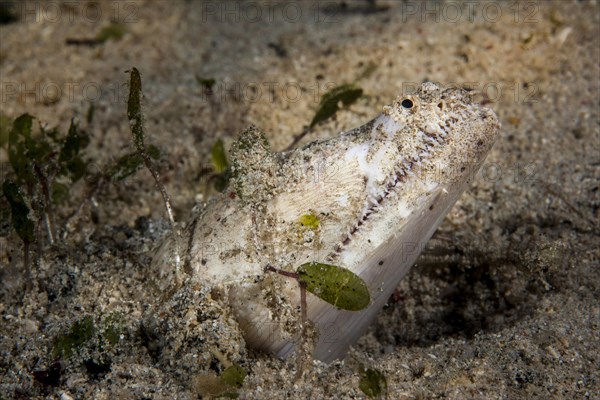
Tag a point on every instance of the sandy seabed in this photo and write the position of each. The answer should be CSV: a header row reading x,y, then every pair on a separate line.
x,y
503,303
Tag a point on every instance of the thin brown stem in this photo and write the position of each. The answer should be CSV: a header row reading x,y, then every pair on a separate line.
x,y
304,355
303,306
292,275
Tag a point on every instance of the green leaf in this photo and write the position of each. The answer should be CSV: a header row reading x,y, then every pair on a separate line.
x,y
134,109
21,127
19,142
234,376
80,332
114,31
372,383
208,83
19,211
219,158
77,167
89,116
69,159
222,181
4,129
336,285
309,221
75,141
346,94
113,327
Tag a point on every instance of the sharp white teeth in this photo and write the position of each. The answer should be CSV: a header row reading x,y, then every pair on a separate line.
x,y
381,192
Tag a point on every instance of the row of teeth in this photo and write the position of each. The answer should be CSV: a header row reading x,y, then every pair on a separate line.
x,y
399,176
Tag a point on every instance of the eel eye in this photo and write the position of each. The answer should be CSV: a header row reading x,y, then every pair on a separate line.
x,y
407,103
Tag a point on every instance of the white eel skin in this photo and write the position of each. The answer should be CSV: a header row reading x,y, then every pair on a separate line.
x,y
379,192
